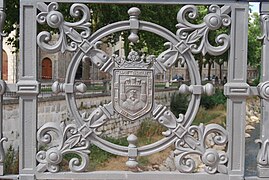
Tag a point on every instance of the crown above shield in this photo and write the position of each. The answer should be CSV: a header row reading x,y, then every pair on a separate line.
x,y
134,60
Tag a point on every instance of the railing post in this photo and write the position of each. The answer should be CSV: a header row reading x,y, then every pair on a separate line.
x,y
263,155
2,86
28,89
237,90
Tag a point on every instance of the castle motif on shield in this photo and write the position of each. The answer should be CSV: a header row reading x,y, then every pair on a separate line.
x,y
133,87
133,94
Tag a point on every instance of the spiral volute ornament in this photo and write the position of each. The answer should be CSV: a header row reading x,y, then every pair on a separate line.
x,y
263,90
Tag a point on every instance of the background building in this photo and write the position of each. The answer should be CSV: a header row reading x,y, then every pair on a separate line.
x,y
53,67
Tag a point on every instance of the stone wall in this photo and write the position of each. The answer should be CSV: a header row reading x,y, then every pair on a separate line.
x,y
54,109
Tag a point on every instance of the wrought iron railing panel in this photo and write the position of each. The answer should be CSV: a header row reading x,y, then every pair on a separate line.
x,y
2,87
262,158
132,94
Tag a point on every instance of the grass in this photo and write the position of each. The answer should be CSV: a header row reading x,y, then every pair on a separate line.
x,y
215,115
149,132
161,85
96,88
99,156
89,88
11,163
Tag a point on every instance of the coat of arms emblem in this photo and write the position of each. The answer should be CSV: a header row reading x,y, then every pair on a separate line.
x,y
132,89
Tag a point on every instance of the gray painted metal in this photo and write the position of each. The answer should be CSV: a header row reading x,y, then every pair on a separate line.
x,y
262,159
133,92
143,1
2,88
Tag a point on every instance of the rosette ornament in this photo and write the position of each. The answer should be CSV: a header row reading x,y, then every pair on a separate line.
x,y
196,36
69,38
263,90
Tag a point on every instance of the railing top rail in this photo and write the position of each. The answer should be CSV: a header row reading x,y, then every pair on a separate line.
x,y
143,1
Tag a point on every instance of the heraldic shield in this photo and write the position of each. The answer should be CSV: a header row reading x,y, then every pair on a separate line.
x,y
132,95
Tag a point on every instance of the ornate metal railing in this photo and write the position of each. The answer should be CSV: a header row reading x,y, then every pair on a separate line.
x,y
132,94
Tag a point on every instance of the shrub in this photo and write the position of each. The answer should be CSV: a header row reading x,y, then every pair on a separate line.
x,y
179,104
11,163
208,102
255,82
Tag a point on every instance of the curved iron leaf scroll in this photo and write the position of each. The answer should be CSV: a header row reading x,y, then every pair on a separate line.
x,y
133,77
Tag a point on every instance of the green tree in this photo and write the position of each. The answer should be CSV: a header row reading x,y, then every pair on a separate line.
x,y
164,15
104,14
254,45
12,22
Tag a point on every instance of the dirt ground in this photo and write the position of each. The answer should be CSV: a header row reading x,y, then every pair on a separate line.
x,y
150,162
118,163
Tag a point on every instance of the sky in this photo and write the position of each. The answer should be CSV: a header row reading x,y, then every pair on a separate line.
x,y
255,6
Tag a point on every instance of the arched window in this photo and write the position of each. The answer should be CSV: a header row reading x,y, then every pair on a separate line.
x,y
46,68
5,66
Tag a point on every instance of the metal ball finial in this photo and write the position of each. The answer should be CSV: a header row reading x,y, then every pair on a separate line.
x,y
134,11
132,139
208,89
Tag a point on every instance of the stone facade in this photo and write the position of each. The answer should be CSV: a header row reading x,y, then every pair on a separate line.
x,y
12,61
54,109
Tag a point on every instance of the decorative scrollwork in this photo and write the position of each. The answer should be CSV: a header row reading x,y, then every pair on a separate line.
x,y
263,158
2,151
194,143
55,19
2,87
194,34
98,57
67,140
167,58
165,117
2,21
265,27
263,89
97,118
134,60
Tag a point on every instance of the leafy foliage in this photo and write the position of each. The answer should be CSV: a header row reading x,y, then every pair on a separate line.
x,y
11,163
208,102
12,22
179,104
104,14
254,46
